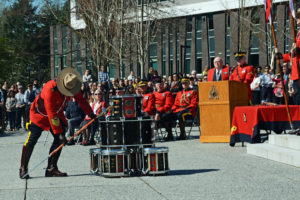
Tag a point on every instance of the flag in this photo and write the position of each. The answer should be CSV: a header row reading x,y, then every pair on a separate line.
x,y
292,8
268,4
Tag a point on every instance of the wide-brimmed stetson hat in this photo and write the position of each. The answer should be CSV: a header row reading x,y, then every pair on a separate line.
x,y
69,81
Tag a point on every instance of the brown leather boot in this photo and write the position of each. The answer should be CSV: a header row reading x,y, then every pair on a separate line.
x,y
52,169
54,172
26,154
182,131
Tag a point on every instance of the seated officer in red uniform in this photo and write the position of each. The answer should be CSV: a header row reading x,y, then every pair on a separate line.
x,y
163,105
243,72
147,108
295,55
47,113
185,104
219,72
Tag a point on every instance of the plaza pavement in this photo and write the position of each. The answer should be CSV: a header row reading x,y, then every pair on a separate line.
x,y
198,171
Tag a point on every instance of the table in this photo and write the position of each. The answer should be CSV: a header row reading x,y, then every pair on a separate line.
x,y
247,121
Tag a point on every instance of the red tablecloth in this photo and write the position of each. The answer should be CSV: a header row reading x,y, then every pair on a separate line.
x,y
247,121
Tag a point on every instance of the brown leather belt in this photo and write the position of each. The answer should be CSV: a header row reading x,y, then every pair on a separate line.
x,y
157,105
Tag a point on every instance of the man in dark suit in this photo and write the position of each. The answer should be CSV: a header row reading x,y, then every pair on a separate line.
x,y
219,72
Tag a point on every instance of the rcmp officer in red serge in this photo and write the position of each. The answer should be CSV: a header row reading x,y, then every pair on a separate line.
x,y
219,72
148,98
163,105
243,72
147,108
295,55
46,113
185,104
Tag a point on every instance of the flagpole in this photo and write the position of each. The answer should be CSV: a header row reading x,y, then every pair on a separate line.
x,y
281,75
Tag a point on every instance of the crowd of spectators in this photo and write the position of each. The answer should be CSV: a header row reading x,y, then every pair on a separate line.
x,y
15,101
268,88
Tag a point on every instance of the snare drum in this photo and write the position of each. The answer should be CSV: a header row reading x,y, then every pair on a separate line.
x,y
134,160
127,106
112,163
156,160
94,160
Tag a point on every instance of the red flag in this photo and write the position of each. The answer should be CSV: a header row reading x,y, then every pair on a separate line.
x,y
268,4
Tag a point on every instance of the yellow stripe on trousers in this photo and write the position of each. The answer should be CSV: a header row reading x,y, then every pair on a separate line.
x,y
27,139
27,124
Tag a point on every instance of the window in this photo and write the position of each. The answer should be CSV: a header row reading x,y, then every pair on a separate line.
x,y
164,49
211,38
227,58
153,53
171,51
199,44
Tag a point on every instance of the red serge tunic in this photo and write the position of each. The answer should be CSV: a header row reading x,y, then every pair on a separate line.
x,y
163,101
148,104
186,99
50,111
225,74
244,74
287,58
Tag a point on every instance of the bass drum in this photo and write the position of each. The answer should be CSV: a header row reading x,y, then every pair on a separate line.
x,y
135,132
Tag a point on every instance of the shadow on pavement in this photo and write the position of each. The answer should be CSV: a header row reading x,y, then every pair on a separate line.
x,y
190,171
73,175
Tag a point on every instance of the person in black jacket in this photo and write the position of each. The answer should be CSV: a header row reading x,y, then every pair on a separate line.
x,y
75,116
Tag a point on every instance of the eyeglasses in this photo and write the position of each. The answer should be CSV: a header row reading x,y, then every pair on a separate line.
x,y
98,94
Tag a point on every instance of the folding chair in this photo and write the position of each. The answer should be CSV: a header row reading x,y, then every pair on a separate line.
x,y
191,122
162,134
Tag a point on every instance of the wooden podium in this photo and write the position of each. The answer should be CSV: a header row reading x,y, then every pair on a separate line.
x,y
216,103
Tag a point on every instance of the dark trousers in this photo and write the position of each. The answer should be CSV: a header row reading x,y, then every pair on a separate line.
x,y
297,92
94,127
20,113
73,123
256,97
11,118
267,94
33,136
27,110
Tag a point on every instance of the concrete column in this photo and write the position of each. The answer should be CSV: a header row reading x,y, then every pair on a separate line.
x,y
263,47
220,35
205,49
234,36
280,27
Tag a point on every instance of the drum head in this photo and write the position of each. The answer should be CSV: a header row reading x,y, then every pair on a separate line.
x,y
156,150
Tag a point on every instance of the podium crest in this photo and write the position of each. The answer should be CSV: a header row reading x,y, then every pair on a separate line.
x,y
213,93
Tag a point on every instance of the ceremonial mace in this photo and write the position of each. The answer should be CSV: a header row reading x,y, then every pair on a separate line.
x,y
281,79
62,145
295,131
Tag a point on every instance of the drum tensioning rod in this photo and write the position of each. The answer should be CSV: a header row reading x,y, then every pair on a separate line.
x,y
61,146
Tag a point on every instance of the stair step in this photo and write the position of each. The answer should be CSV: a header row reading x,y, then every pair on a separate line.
x,y
276,153
287,141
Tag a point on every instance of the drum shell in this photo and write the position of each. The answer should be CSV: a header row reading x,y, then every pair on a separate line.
x,y
94,160
113,163
127,106
135,132
156,160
